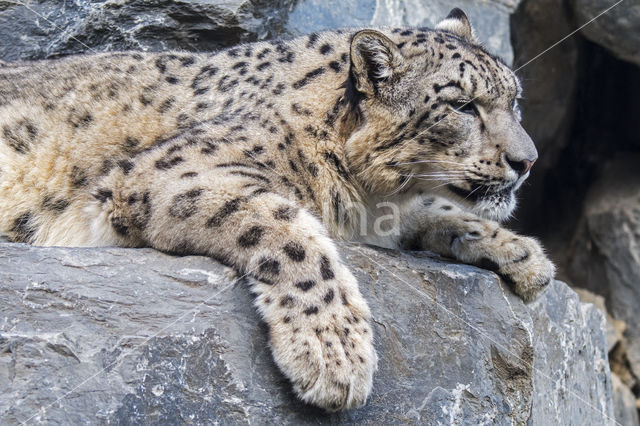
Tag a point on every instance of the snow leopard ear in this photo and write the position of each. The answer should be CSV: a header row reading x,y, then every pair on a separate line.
x,y
457,23
375,60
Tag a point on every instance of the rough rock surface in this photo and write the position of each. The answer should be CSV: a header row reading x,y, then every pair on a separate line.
x,y
54,28
35,30
618,29
624,403
124,336
615,328
622,378
606,254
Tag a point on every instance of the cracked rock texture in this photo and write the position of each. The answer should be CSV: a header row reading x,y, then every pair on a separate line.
x,y
120,336
55,28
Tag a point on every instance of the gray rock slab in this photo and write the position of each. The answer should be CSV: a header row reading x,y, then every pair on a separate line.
x,y
625,410
122,336
606,253
33,30
615,328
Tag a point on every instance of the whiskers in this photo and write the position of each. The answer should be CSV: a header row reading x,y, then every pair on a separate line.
x,y
406,163
400,187
443,178
449,182
455,173
445,174
439,177
469,194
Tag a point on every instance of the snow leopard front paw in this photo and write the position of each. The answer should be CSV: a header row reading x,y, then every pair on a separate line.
x,y
344,359
519,260
530,271
324,343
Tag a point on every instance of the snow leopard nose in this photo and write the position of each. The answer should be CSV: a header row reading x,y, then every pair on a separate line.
x,y
521,167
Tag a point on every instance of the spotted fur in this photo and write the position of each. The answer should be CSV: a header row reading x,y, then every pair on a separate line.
x,y
256,155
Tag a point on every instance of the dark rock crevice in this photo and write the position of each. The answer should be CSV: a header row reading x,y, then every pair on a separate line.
x,y
604,123
581,107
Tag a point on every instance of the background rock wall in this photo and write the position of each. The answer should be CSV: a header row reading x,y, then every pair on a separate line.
x,y
581,107
582,100
53,28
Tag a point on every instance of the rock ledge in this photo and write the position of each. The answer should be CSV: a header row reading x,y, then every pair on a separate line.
x,y
124,335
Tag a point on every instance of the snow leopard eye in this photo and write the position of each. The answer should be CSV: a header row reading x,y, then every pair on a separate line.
x,y
465,106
